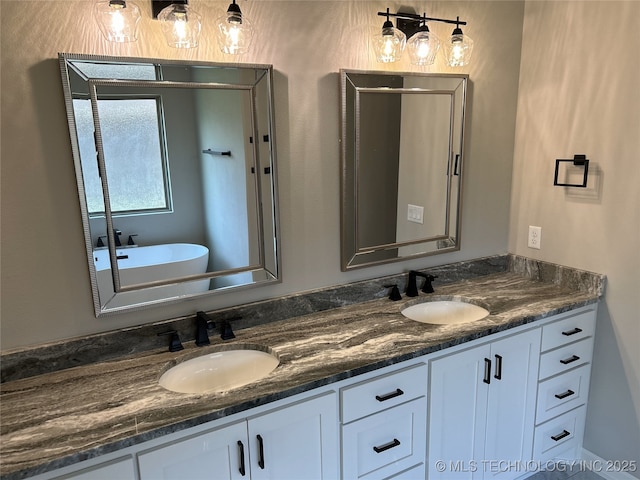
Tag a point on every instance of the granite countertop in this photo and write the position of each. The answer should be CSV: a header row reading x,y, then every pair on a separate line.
x,y
60,418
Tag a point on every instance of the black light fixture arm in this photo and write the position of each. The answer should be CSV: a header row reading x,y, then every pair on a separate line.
x,y
423,18
158,5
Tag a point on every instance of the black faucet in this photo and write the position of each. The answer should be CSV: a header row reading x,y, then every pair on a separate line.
x,y
412,287
203,323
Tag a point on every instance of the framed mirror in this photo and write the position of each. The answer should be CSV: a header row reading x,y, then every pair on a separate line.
x,y
402,158
176,174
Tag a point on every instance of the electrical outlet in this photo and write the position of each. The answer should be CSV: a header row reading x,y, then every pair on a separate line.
x,y
535,237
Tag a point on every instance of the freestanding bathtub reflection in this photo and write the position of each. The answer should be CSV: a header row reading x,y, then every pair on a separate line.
x,y
146,264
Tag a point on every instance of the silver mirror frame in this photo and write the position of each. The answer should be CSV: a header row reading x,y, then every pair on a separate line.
x,y
100,306
354,256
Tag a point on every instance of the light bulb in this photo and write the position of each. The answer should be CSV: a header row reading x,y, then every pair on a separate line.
x,y
181,25
118,20
180,29
423,47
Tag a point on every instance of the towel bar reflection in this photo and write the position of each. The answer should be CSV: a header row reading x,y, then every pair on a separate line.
x,y
218,153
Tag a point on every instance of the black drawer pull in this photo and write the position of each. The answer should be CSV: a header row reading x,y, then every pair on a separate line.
x,y
387,446
260,452
569,360
498,375
572,332
241,448
487,371
560,436
389,396
566,394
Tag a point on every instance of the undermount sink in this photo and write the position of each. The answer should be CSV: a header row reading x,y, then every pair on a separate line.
x,y
219,371
445,312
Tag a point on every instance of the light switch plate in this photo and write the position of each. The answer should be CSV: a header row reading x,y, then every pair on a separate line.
x,y
415,213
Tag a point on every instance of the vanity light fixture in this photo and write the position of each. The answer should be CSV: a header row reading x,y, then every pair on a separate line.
x,y
234,31
181,24
423,45
118,20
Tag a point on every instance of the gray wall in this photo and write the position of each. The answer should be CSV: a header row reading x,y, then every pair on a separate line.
x,y
380,118
45,277
579,94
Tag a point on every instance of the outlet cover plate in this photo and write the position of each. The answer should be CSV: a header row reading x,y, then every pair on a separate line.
x,y
535,237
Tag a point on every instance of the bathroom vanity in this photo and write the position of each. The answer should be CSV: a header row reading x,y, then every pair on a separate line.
x,y
360,392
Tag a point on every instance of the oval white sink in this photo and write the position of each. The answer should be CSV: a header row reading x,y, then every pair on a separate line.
x,y
445,312
218,371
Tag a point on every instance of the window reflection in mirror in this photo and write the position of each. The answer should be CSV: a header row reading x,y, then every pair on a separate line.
x,y
178,158
135,160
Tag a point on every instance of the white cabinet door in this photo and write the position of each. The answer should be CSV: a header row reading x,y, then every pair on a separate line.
x,y
511,404
457,414
213,455
297,442
481,418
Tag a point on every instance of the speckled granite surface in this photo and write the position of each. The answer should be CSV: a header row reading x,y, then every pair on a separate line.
x,y
56,419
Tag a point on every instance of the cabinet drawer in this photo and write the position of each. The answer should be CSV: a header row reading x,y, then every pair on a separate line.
x,y
383,392
560,394
566,358
386,443
559,435
571,329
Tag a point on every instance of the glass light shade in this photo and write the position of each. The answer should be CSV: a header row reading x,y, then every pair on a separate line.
x,y
389,43
423,47
458,49
234,33
118,20
181,25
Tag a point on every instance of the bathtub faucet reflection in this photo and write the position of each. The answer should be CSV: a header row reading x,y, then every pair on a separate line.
x,y
116,237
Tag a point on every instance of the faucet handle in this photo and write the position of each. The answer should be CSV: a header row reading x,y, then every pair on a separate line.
x,y
426,286
226,333
174,342
395,292
131,241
